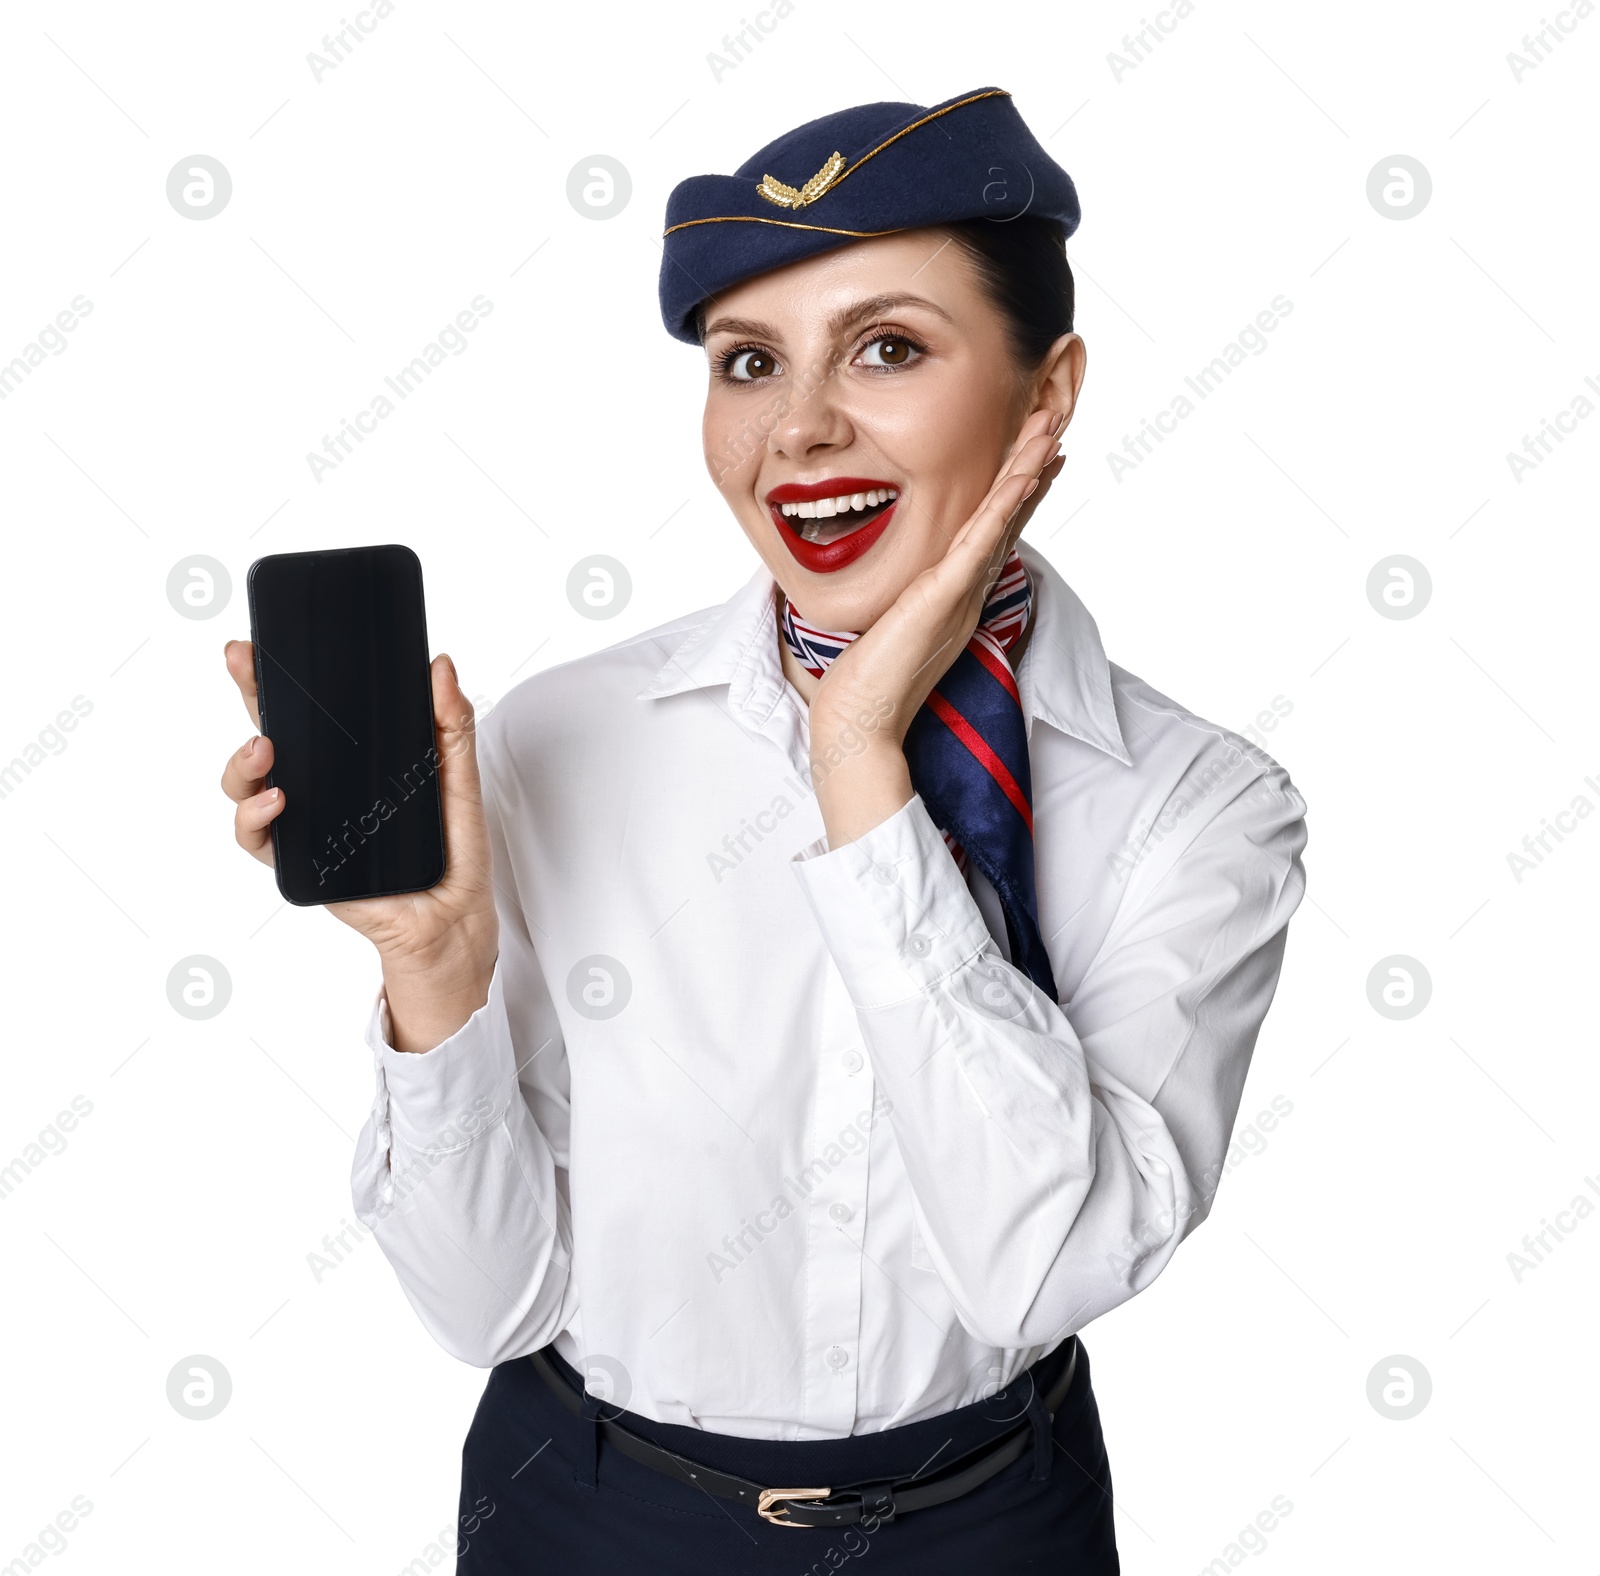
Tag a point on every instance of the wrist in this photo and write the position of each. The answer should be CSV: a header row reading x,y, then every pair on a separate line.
x,y
431,997
858,791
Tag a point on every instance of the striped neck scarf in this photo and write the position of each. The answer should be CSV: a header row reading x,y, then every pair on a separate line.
x,y
1004,617
967,748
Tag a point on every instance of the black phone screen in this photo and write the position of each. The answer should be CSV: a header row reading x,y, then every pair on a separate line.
x,y
341,652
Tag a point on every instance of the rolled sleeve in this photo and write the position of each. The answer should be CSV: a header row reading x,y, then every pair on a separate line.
x,y
893,909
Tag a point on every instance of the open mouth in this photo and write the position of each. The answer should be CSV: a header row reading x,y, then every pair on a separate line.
x,y
824,520
829,524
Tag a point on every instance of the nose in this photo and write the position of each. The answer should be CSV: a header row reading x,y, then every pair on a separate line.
x,y
811,418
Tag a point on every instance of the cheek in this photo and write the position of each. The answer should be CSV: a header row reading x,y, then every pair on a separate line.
x,y
948,437
723,455
733,444
733,431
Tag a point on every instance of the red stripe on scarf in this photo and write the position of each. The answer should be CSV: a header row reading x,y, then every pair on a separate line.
x,y
979,749
996,663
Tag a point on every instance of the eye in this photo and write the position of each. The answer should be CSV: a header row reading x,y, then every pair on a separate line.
x,y
747,364
889,350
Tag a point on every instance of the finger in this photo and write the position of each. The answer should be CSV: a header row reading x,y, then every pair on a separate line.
x,y
1042,420
1002,541
966,573
1034,455
247,768
1037,445
1031,449
252,823
1030,503
456,724
241,659
459,784
1032,497
983,532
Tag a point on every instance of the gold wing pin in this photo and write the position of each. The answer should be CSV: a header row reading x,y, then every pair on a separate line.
x,y
797,197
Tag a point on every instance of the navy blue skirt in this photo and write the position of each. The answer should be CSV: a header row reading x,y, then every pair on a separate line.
x,y
540,1493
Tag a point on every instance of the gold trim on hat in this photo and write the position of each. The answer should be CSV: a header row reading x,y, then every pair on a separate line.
x,y
790,197
990,93
783,224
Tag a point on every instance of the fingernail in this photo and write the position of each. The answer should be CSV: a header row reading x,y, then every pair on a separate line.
x,y
270,797
251,748
1058,423
1031,488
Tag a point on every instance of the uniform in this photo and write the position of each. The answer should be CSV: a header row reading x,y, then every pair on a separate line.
x,y
775,1181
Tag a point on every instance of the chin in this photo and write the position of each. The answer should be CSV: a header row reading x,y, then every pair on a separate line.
x,y
852,598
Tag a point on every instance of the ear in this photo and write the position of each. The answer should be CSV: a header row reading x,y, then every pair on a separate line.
x,y
1060,375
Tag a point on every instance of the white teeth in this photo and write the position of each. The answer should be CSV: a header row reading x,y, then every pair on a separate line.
x,y
826,508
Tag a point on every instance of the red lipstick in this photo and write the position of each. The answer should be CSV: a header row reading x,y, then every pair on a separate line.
x,y
826,557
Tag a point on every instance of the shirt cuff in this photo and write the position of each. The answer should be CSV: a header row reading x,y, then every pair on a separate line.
x,y
438,1101
893,908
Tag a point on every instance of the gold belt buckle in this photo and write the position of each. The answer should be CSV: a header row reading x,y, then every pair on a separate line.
x,y
779,1497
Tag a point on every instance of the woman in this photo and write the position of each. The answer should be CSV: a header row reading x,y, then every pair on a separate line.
x,y
727,1105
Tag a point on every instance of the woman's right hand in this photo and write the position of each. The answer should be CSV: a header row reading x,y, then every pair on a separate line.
x,y
438,947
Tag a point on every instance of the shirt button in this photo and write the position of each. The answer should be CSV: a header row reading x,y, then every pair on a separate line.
x,y
841,1212
852,1061
884,873
837,1358
918,944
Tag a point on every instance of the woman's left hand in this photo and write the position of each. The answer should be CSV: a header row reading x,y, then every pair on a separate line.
x,y
879,682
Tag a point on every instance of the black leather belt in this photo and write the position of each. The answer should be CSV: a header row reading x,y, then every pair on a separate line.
x,y
821,1507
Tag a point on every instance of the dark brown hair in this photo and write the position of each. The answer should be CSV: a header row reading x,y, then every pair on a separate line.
x,y
1022,265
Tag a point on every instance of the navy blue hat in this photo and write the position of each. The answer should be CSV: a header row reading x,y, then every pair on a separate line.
x,y
869,170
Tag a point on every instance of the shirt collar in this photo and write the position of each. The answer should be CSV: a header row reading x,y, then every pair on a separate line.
x,y
734,644
1064,679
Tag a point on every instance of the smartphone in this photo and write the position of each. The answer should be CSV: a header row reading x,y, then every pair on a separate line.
x,y
343,685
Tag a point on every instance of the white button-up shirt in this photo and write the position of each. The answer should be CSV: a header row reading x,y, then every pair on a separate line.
x,y
772,1139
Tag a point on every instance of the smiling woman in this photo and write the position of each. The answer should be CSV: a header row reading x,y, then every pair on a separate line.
x,y
954,1026
924,383
923,391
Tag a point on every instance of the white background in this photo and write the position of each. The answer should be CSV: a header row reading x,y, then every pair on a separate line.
x,y
368,208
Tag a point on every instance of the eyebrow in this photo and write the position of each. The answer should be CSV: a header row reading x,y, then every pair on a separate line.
x,y
845,317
